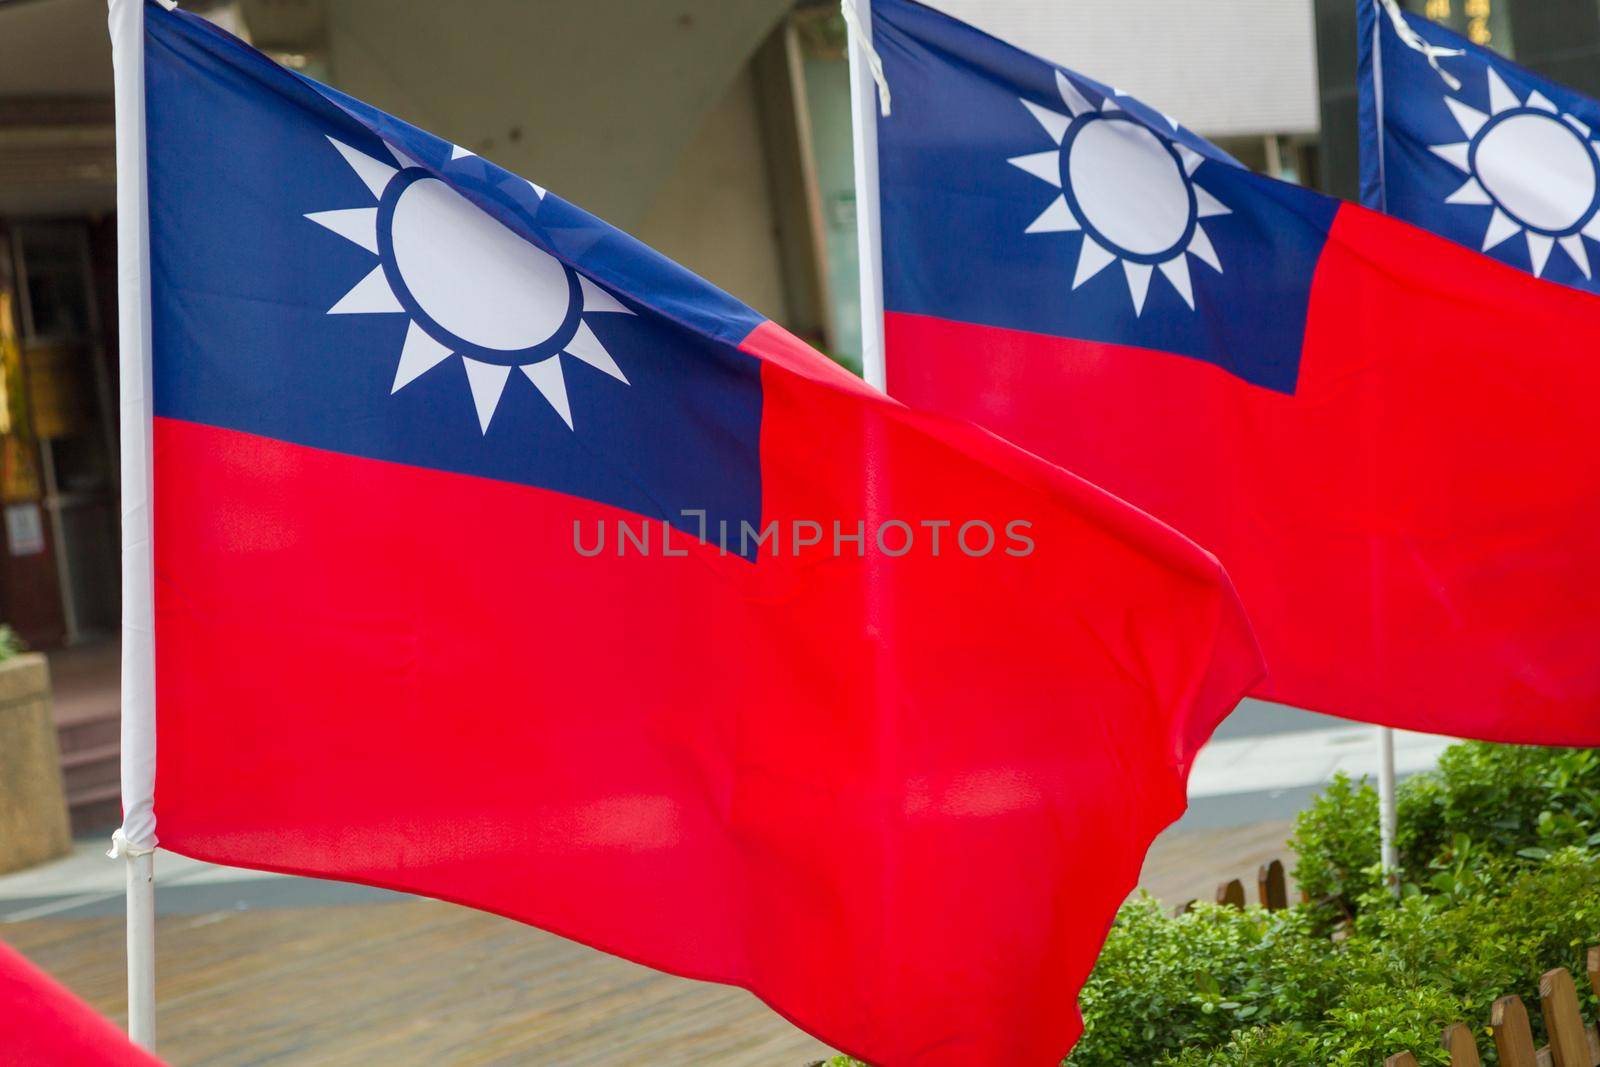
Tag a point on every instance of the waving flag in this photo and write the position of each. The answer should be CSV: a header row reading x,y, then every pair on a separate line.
x,y
1463,142
42,1024
499,559
1387,439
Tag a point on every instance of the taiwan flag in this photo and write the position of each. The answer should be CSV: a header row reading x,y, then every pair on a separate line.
x,y
499,559
1463,142
1386,438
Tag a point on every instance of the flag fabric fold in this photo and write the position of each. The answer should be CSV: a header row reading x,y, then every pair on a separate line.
x,y
1386,439
499,559
1461,141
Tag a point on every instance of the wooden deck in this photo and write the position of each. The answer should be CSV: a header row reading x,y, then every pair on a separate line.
x,y
425,983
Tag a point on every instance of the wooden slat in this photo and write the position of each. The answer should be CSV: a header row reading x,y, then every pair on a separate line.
x,y
1231,894
1462,1046
1271,887
1513,1036
1183,861
1401,1059
1558,1000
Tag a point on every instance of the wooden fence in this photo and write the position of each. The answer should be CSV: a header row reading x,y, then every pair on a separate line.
x,y
1573,1043
1272,890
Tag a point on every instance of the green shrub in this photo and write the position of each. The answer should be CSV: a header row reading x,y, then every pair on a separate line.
x,y
1501,861
1499,940
1335,843
1263,989
10,643
1505,799
1484,805
1166,983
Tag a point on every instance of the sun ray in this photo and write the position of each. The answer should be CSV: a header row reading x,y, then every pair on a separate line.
x,y
1578,124
1054,123
380,291
1470,193
374,174
597,299
370,296
536,187
358,224
1501,98
1592,227
1042,165
1200,247
419,354
1454,154
1177,272
1572,245
1542,102
1208,205
1539,246
488,381
587,347
1138,275
546,376
1076,104
400,157
1501,227
1106,213
1470,119
1092,259
1057,218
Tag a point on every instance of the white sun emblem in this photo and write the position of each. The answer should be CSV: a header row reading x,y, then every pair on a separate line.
x,y
470,286
1535,166
1130,191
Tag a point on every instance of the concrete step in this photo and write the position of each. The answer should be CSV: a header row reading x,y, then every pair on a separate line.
x,y
96,810
91,767
86,769
91,732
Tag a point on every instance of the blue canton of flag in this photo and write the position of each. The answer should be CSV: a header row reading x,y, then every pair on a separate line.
x,y
1080,211
1461,141
408,301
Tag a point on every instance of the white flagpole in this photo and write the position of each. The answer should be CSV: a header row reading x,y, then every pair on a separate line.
x,y
1388,809
135,841
864,87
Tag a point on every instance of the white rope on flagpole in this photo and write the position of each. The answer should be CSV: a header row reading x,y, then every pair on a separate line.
x,y
866,78
1413,40
135,841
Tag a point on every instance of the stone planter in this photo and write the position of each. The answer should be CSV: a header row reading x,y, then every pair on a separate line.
x,y
33,807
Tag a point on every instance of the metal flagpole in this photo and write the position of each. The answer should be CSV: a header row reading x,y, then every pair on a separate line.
x,y
135,841
866,83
